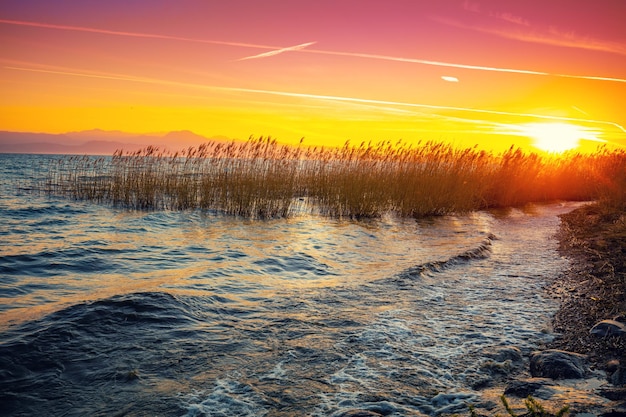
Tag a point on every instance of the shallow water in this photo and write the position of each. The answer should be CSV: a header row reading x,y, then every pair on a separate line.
x,y
110,312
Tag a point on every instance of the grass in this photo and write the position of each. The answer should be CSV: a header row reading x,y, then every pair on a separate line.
x,y
263,179
534,409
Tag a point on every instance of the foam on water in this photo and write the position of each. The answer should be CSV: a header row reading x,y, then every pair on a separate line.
x,y
229,398
185,313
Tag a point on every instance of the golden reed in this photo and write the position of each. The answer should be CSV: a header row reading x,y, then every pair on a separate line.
x,y
262,179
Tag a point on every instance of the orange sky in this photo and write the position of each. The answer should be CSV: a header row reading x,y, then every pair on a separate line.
x,y
330,70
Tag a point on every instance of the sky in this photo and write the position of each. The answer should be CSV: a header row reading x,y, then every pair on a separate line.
x,y
486,72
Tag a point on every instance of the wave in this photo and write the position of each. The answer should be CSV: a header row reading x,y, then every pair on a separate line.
x,y
45,209
482,251
296,263
89,348
53,263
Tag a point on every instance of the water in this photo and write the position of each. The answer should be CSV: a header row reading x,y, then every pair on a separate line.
x,y
109,312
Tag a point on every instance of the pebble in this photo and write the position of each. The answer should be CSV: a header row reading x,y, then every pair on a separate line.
x,y
360,413
609,328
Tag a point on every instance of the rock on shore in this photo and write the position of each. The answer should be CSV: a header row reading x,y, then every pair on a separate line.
x,y
558,364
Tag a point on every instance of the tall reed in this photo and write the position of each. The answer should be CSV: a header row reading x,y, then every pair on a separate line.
x,y
263,179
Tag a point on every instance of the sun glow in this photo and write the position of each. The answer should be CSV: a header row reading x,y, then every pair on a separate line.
x,y
556,137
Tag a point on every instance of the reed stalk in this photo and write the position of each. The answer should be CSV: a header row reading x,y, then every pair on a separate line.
x,y
263,179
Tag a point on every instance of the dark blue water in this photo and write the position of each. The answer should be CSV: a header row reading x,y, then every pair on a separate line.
x,y
109,312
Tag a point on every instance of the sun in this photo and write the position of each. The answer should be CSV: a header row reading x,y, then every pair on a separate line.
x,y
555,137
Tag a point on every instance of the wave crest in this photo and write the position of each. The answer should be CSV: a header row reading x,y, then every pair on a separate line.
x,y
482,251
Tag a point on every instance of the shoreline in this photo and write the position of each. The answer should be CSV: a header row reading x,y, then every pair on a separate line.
x,y
593,289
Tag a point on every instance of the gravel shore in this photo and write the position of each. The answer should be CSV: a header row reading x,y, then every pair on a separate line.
x,y
594,287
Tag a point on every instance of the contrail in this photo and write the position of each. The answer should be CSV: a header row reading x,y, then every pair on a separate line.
x,y
87,75
307,50
582,111
428,106
133,34
317,96
278,51
460,66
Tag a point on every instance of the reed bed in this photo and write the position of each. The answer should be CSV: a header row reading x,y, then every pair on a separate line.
x,y
262,179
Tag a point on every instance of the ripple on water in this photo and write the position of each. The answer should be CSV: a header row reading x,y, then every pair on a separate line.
x,y
126,346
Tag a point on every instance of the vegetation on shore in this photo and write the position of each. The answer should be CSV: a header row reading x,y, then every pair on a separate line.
x,y
263,179
534,409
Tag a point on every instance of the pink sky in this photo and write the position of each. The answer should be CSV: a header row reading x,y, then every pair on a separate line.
x,y
459,70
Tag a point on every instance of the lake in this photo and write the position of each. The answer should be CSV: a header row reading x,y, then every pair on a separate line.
x,y
105,311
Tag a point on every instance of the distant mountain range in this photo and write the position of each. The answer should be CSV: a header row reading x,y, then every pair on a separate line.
x,y
98,142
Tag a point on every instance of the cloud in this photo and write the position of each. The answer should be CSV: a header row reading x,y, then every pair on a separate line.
x,y
548,35
449,79
571,39
278,51
471,6
511,18
556,37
